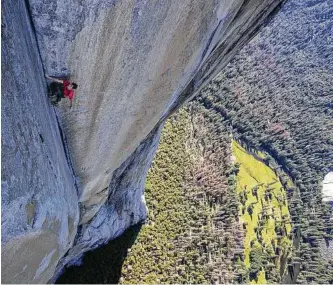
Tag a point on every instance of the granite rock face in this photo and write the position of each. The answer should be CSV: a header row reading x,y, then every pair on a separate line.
x,y
135,62
40,212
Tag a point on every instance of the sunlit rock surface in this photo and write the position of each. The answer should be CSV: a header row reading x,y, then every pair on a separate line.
x,y
135,63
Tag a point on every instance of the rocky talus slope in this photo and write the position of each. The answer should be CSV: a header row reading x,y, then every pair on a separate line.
x,y
67,190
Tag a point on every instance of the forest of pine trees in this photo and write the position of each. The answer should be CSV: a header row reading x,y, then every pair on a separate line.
x,y
277,97
191,208
196,231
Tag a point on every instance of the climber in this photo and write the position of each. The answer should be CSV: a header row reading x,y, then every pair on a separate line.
x,y
61,88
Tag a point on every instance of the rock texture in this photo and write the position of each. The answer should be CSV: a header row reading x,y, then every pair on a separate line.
x,y
125,205
135,62
40,212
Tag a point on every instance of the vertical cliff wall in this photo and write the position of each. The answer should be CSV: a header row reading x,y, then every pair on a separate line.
x,y
135,63
39,213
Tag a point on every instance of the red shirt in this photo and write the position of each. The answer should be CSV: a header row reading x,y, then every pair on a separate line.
x,y
69,93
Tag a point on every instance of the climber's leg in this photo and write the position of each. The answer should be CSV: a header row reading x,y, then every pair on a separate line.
x,y
55,92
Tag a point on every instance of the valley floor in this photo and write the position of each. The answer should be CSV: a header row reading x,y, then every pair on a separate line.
x,y
216,213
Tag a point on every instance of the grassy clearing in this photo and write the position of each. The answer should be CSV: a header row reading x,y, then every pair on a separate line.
x,y
264,212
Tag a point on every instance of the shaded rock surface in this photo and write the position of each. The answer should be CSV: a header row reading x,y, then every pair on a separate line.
x,y
40,212
135,62
125,205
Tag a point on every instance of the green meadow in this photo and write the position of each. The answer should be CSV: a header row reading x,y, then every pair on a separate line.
x,y
264,212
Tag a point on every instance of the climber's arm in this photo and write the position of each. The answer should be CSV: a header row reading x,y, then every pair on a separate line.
x,y
54,79
71,97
